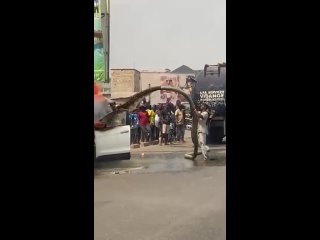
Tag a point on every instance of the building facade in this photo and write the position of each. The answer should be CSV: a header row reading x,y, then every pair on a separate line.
x,y
124,82
127,82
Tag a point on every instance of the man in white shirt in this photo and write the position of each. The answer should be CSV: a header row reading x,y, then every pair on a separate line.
x,y
203,130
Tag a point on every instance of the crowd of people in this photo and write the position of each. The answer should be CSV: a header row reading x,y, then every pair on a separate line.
x,y
163,122
167,123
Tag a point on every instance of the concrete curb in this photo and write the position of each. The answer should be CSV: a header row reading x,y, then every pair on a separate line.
x,y
144,144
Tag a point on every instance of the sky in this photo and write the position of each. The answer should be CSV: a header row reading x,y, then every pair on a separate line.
x,y
160,34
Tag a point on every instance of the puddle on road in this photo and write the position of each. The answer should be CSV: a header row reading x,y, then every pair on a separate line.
x,y
153,163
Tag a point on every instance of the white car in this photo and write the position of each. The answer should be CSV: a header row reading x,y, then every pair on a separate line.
x,y
112,137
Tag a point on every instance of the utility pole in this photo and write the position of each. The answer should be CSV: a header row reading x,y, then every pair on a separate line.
x,y
105,25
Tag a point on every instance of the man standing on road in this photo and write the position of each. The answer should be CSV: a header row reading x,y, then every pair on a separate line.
x,y
179,122
152,116
203,130
144,124
165,122
183,128
134,123
157,123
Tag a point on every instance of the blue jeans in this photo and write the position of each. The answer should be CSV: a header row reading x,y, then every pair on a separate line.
x,y
134,135
180,134
183,131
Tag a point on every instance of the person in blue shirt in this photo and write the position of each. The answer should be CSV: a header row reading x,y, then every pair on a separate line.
x,y
134,124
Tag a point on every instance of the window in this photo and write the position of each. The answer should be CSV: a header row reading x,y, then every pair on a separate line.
x,y
115,119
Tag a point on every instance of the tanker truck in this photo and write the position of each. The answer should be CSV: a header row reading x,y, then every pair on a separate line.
x,y
209,87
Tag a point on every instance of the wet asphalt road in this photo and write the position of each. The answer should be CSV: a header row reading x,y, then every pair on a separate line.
x,y
160,196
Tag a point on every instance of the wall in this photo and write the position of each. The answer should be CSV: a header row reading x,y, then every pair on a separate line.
x,y
137,82
124,82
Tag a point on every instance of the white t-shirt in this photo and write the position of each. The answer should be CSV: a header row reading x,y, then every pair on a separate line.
x,y
179,116
156,121
202,123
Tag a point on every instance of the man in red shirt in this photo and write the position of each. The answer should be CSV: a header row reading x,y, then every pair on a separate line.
x,y
144,124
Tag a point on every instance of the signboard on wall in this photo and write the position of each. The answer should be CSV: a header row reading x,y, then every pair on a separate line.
x,y
170,80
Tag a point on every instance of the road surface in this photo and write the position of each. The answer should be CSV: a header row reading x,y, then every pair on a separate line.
x,y
160,197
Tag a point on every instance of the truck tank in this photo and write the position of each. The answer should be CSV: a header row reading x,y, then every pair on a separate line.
x,y
210,88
